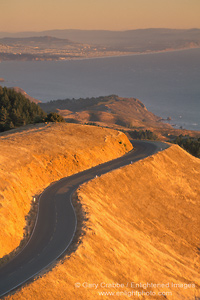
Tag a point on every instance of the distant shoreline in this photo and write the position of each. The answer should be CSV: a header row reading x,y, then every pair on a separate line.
x,y
122,54
127,76
131,54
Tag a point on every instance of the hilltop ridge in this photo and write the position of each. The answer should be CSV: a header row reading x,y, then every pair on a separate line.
x,y
107,110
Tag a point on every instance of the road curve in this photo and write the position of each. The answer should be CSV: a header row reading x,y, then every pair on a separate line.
x,y
56,221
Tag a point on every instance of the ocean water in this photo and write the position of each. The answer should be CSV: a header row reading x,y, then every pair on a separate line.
x,y
167,83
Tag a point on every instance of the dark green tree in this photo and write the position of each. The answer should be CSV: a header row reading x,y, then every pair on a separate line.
x,y
190,144
3,115
16,110
54,117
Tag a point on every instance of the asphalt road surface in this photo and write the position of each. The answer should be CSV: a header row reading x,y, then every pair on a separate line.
x,y
56,221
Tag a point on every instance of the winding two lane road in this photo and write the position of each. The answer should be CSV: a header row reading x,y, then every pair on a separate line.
x,y
56,221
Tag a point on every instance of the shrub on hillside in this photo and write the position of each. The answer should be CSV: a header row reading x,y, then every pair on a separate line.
x,y
190,144
54,117
142,135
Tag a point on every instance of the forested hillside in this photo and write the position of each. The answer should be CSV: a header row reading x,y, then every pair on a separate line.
x,y
16,110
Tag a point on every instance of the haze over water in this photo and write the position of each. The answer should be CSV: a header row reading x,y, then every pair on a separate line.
x,y
167,83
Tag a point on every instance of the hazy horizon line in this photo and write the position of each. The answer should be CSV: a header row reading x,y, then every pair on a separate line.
x,y
123,30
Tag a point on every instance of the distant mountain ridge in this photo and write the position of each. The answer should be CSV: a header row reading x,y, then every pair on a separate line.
x,y
112,37
36,40
73,44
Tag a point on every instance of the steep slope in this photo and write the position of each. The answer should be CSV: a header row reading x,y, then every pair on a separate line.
x,y
33,157
141,227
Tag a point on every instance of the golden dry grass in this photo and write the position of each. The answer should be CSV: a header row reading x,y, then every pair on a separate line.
x,y
123,113
143,226
33,157
115,110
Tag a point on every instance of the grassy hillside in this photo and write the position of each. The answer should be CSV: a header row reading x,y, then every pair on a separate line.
x,y
33,157
128,114
108,110
141,225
